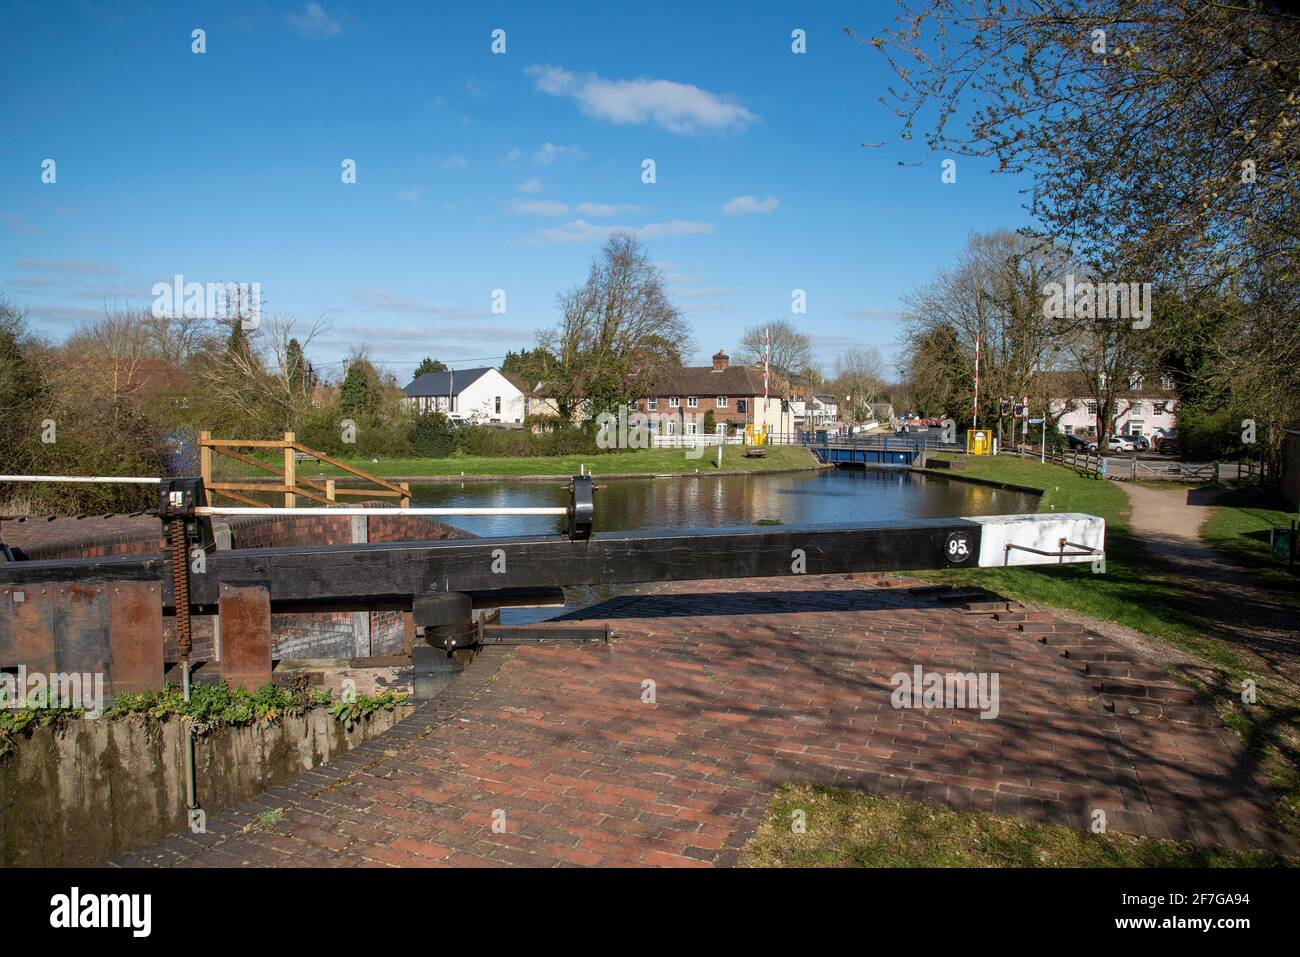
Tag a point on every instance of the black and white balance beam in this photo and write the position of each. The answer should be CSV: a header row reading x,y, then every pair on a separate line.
x,y
395,574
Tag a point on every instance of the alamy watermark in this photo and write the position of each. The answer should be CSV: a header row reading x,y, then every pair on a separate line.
x,y
56,689
209,300
924,690
1098,300
638,431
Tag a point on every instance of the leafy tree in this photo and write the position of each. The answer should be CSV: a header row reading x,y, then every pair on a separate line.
x,y
429,364
359,394
1161,137
297,370
22,391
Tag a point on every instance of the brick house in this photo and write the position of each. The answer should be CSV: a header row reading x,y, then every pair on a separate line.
x,y
734,394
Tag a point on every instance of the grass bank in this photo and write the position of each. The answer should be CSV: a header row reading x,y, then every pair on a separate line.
x,y
1139,591
644,461
851,829
1238,526
1128,592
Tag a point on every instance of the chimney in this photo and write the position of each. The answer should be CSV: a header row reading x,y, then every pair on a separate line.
x,y
720,361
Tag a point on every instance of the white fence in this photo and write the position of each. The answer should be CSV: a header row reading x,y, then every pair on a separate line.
x,y
701,440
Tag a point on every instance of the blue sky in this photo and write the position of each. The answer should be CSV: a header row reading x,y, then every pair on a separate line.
x,y
475,171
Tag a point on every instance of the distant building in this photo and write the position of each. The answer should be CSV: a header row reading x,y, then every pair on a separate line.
x,y
478,395
1142,405
734,394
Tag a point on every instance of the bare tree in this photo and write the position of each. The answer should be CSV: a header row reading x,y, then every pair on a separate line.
x,y
790,354
617,331
994,293
857,383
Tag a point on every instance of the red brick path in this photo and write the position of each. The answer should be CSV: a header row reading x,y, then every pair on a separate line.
x,y
756,682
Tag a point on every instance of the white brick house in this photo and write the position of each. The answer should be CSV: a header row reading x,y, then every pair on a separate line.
x,y
1141,406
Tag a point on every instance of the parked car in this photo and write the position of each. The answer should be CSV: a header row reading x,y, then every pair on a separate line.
x,y
1140,442
1080,443
1119,443
1167,445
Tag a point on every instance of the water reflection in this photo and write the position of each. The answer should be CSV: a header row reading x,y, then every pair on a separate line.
x,y
799,498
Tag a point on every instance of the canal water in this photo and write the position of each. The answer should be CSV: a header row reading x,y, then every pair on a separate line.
x,y
790,498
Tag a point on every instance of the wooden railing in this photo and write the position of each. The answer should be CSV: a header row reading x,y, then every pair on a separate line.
x,y
1088,463
290,484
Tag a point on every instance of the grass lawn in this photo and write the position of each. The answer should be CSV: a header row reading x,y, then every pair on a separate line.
x,y
1128,593
1238,527
851,829
657,461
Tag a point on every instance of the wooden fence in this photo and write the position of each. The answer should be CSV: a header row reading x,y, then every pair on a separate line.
x,y
1084,462
290,484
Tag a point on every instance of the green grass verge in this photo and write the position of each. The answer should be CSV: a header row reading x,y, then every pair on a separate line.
x,y
651,461
1238,526
1128,592
850,829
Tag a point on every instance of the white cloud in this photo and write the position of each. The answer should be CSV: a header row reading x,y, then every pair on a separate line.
x,y
382,299
82,266
548,153
455,162
474,88
601,210
531,185
581,231
677,107
314,22
539,207
748,204
512,156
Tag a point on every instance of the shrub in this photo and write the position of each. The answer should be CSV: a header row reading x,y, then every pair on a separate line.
x,y
431,436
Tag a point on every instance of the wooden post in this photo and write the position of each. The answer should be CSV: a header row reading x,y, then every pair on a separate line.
x,y
329,489
290,472
205,459
406,499
1134,474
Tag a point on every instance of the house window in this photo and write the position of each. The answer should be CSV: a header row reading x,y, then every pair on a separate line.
x,y
670,427
1160,408
1136,408
720,402
498,411
651,405
742,406
1167,384
1134,382
692,402
1092,408
674,401
690,428
1068,429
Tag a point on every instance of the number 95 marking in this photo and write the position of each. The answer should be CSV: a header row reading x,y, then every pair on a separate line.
x,y
957,549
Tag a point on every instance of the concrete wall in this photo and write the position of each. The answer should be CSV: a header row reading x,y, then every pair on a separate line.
x,y
96,789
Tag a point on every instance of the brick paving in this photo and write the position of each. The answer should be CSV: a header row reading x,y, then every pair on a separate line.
x,y
757,682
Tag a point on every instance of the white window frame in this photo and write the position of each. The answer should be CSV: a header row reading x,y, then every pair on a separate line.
x,y
651,405
720,401
674,401
692,428
692,402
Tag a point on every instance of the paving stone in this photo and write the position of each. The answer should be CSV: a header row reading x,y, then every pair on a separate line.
x,y
550,756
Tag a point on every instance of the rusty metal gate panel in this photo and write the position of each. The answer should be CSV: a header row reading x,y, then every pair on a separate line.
x,y
245,611
135,636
